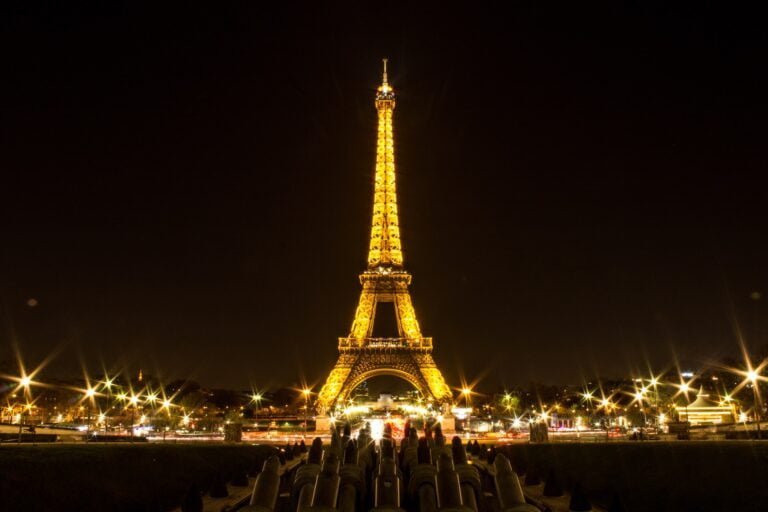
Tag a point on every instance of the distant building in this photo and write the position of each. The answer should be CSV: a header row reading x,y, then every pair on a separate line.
x,y
385,401
704,411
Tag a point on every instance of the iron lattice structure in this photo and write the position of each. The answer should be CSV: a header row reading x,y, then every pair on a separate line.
x,y
361,356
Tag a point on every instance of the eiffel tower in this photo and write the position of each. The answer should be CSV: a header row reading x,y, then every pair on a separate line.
x,y
362,356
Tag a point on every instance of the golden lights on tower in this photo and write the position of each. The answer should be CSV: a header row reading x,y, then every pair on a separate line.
x,y
384,280
384,248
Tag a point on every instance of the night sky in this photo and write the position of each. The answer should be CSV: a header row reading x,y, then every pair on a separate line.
x,y
189,191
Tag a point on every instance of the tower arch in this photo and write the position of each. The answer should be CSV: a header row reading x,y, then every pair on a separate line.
x,y
380,372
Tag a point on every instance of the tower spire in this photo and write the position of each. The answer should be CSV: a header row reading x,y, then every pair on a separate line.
x,y
384,78
384,248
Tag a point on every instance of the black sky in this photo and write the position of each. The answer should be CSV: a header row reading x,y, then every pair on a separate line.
x,y
188,190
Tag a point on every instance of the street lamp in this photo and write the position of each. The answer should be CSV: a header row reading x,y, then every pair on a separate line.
x,y
166,404
752,376
467,392
256,399
608,408
639,398
654,383
24,382
134,402
151,398
685,388
306,392
89,394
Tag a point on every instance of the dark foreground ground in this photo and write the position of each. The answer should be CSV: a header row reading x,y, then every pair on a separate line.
x,y
659,476
677,476
116,478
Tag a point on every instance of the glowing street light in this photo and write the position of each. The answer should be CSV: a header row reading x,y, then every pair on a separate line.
x,y
306,392
134,400
752,377
25,381
684,388
90,393
467,392
107,384
653,384
639,397
256,398
609,409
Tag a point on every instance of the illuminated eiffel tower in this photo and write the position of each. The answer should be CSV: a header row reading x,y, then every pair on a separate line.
x,y
362,356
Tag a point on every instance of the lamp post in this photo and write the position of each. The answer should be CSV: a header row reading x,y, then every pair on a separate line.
x,y
467,392
24,384
167,406
727,399
151,398
606,405
122,397
107,384
256,399
639,397
134,403
654,382
21,423
89,394
752,375
684,389
21,419
306,392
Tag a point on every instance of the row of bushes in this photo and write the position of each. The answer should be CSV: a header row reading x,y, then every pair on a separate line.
x,y
116,478
641,476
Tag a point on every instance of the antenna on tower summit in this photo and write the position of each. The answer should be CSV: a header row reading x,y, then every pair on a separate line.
x,y
384,81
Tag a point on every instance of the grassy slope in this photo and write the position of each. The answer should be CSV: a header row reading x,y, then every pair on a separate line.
x,y
135,478
675,476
